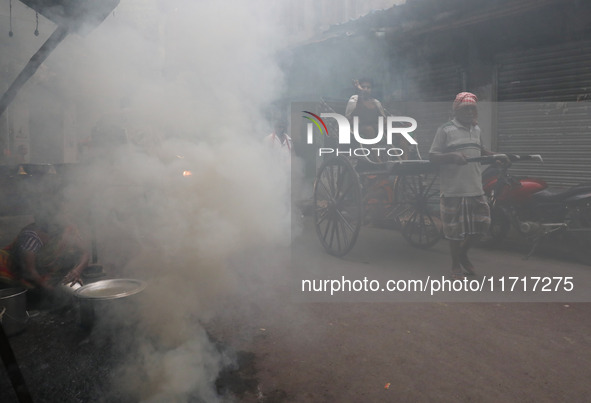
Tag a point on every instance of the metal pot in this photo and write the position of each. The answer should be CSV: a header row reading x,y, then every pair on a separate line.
x,y
106,299
13,310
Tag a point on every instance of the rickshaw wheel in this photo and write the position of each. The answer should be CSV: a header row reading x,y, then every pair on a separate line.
x,y
337,205
418,203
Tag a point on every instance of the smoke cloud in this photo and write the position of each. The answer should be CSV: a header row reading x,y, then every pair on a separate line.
x,y
163,87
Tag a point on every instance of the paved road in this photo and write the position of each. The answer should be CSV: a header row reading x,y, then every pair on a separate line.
x,y
381,347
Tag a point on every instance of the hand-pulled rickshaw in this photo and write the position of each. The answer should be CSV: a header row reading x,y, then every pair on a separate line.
x,y
350,191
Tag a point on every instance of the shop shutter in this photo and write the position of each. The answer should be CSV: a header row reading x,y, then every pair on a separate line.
x,y
544,108
430,92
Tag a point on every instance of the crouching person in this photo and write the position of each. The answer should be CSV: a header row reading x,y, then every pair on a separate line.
x,y
45,255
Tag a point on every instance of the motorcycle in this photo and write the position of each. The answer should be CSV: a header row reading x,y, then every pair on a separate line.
x,y
533,209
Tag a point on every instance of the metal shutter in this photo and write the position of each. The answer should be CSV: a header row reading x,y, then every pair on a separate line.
x,y
433,89
544,108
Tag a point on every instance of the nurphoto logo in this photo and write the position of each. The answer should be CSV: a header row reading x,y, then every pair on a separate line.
x,y
394,125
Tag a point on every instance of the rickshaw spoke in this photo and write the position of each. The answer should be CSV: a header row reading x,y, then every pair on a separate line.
x,y
323,215
421,227
411,223
331,182
432,221
338,234
340,199
345,221
332,232
350,231
400,190
344,233
408,189
327,190
326,229
413,186
321,227
335,231
339,184
346,230
337,181
412,217
420,183
327,181
413,229
428,188
340,193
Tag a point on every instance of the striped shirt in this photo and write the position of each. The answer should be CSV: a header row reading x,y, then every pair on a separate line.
x,y
29,241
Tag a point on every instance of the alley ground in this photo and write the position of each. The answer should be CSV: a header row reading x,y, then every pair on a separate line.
x,y
360,347
291,346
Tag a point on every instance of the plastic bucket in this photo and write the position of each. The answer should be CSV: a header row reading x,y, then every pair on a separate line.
x,y
13,310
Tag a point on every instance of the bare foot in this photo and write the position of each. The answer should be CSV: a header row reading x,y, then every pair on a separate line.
x,y
467,265
456,271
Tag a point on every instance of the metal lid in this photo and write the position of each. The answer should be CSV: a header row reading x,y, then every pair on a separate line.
x,y
11,292
110,289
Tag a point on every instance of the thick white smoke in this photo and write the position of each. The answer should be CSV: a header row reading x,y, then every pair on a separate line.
x,y
188,81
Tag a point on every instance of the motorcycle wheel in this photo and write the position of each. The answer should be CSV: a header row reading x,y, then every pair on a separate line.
x,y
579,233
499,227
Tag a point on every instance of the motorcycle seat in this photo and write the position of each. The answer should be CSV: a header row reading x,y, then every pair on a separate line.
x,y
560,194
